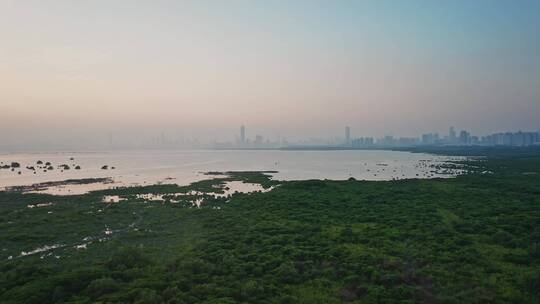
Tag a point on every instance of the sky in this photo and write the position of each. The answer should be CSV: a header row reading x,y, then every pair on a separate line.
x,y
295,69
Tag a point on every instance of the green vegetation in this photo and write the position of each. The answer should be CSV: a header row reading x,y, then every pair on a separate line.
x,y
472,239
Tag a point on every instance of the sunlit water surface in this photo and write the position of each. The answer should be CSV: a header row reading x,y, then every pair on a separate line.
x,y
183,167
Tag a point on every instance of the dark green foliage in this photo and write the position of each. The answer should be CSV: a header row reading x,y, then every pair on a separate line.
x,y
127,258
100,287
472,239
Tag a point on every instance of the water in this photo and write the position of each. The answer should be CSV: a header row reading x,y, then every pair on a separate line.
x,y
183,167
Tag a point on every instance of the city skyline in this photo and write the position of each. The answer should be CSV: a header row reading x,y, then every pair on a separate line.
x,y
246,139
507,138
193,69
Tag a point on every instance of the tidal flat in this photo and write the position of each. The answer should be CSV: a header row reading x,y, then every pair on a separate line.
x,y
469,239
142,168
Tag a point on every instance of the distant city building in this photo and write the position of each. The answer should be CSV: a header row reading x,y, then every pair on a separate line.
x,y
347,135
362,142
464,137
520,139
387,141
430,138
258,140
452,135
242,134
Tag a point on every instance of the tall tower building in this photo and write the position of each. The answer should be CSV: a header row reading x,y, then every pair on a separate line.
x,y
347,135
464,137
452,135
242,134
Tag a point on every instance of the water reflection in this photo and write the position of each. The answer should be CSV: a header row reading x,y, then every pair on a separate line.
x,y
185,167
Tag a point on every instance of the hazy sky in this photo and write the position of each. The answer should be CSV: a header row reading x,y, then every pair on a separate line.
x,y
294,68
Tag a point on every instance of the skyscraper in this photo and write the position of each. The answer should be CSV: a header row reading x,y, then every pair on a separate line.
x,y
464,137
242,134
452,135
347,135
